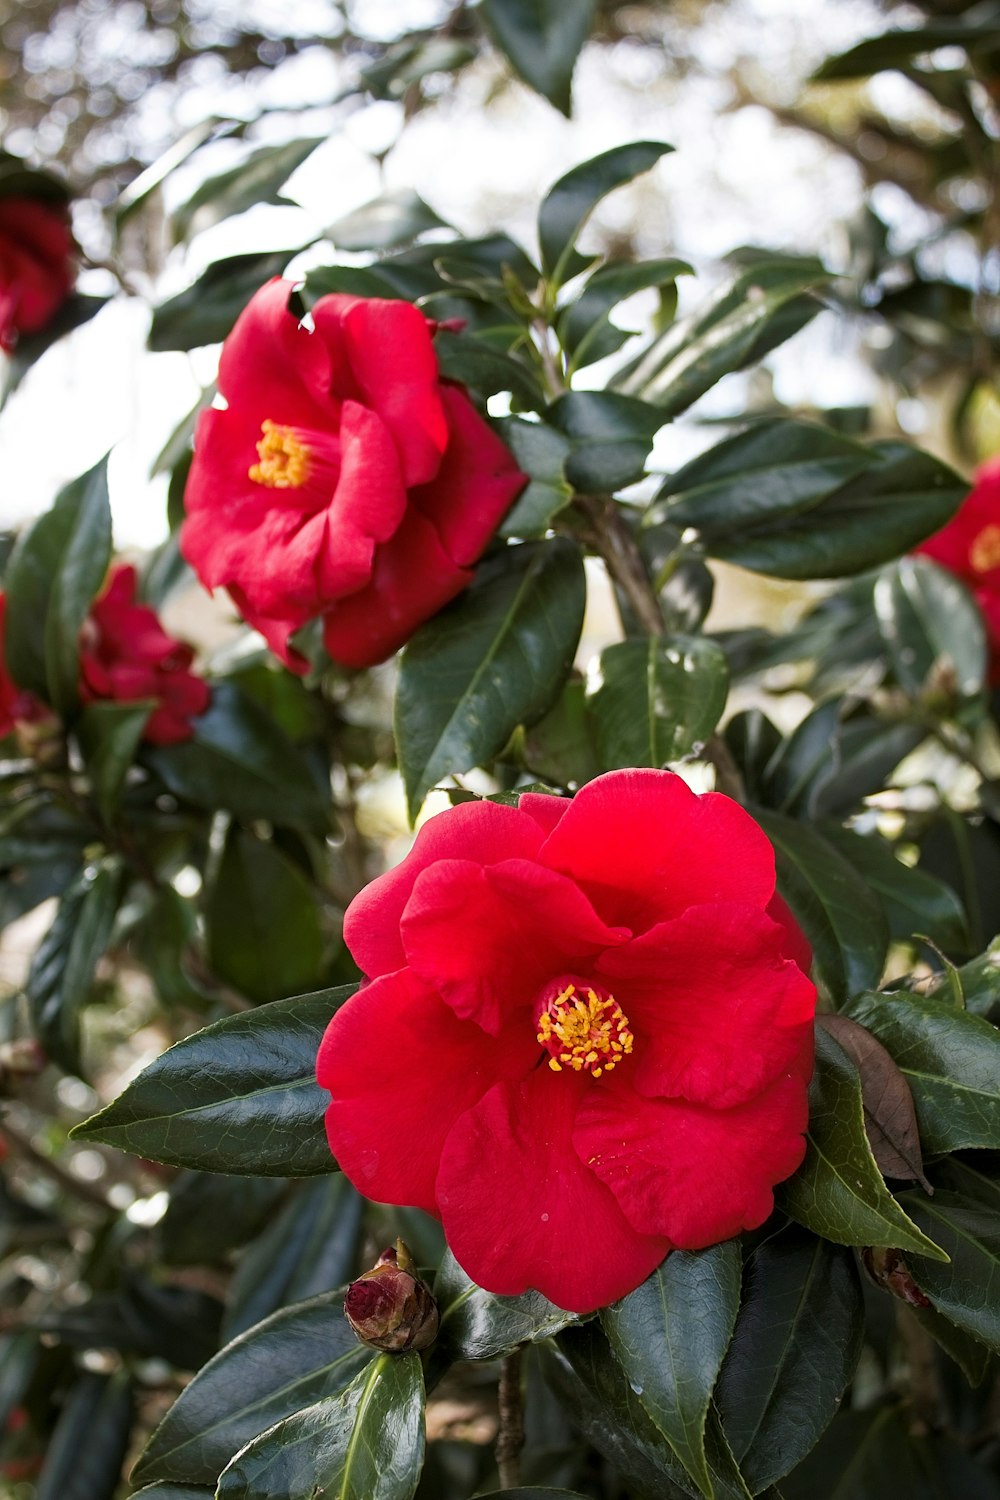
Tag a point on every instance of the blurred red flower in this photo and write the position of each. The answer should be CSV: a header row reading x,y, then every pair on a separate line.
x,y
343,478
969,547
37,267
125,654
585,1038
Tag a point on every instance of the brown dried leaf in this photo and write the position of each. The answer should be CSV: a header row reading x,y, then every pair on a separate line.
x,y
890,1119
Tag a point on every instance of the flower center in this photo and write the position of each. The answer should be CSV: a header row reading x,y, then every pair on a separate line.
x,y
984,553
284,458
582,1029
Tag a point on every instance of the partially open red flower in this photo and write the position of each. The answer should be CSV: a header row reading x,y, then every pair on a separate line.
x,y
37,268
343,478
585,1038
126,655
969,547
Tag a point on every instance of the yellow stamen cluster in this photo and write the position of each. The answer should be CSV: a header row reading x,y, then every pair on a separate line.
x,y
594,1033
284,458
984,554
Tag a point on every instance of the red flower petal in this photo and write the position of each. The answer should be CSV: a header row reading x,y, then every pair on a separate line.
x,y
367,506
545,810
390,1050
272,367
521,1211
486,832
489,938
644,847
695,1174
717,1011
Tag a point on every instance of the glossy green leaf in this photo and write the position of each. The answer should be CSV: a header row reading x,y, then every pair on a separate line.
x,y
930,624
258,178
239,1096
494,659
740,322
914,902
204,313
541,453
263,925
894,49
560,747
838,913
533,1492
839,1192
864,756
793,1353
480,1325
789,780
85,1452
541,39
109,735
569,203
978,982
487,370
670,1336
55,570
366,1444
880,1453
967,1290
175,1492
611,437
239,759
949,1058
300,1355
392,219
656,700
584,329
208,1215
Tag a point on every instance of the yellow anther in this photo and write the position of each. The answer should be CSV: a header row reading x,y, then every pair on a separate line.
x,y
591,1031
284,458
984,554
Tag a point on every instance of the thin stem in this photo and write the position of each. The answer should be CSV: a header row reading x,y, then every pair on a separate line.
x,y
510,1438
609,535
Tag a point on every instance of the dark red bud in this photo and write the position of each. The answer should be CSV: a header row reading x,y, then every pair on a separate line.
x,y
389,1307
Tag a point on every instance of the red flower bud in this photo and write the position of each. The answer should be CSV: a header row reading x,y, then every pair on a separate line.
x,y
389,1307
889,1270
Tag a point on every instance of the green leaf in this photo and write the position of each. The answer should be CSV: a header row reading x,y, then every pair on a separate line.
x,y
392,219
950,1059
480,1325
541,453
838,913
789,779
914,901
793,1353
175,1492
366,1444
740,323
569,203
611,438
878,1453
839,1192
259,178
83,1460
408,62
485,369
62,970
239,760
894,49
205,312
208,1215
239,1096
584,329
902,497
109,735
494,659
866,752
299,1355
541,39
967,1289
53,575
263,927
670,1336
656,700
932,628
560,747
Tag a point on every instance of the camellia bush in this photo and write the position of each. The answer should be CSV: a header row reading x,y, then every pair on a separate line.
x,y
631,1129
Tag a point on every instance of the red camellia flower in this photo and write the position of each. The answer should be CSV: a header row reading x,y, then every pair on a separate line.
x,y
969,547
37,267
125,654
585,1038
343,478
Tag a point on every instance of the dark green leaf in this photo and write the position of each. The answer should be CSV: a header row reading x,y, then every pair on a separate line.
x,y
366,1444
263,927
584,328
967,1290
238,759
788,782
979,982
656,700
174,1492
74,312
797,1341
494,659
838,1192
561,748
53,575
865,753
392,219
86,1450
480,1325
240,1096
109,736
840,916
299,1355
541,39
541,453
205,312
914,902
259,178
876,1454
950,1059
932,629
208,1215
531,1493
485,369
408,62
893,49
570,202
611,438
670,1335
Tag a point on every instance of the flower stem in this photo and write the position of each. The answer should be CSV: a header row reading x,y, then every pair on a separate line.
x,y
510,1438
609,535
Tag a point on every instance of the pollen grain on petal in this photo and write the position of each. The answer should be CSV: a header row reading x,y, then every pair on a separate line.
x,y
283,458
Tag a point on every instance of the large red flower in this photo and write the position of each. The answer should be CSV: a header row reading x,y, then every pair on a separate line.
x,y
343,478
585,1038
37,267
969,547
125,655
